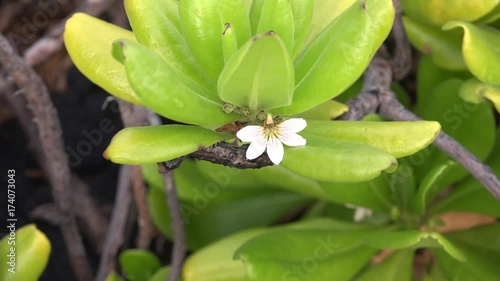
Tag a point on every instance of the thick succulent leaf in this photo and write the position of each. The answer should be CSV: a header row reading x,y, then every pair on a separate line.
x,y
431,185
277,16
327,67
280,177
213,209
32,250
215,261
374,194
491,17
273,176
347,161
429,75
475,91
328,110
302,11
466,195
484,239
278,254
439,12
139,264
165,90
113,276
202,25
460,120
259,76
162,274
477,266
413,239
229,42
152,144
324,12
444,47
481,50
403,185
88,41
398,138
156,25
397,267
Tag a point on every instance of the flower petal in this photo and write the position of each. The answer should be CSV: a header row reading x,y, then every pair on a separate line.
x,y
275,150
256,148
291,139
294,125
249,133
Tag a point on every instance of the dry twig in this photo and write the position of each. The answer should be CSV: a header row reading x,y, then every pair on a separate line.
x,y
50,136
116,236
174,206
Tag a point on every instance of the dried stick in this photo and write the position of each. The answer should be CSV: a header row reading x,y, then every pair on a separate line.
x,y
229,155
50,136
174,206
146,229
132,115
116,236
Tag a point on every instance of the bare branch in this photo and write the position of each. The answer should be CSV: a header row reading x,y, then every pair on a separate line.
x,y
116,229
50,136
174,206
229,155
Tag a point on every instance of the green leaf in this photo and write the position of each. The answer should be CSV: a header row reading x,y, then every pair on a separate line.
x,y
439,12
313,254
475,91
403,185
302,11
397,267
272,176
157,26
280,177
262,66
277,16
88,41
152,176
460,120
481,50
429,75
413,239
347,161
113,276
443,47
431,185
325,12
477,267
229,42
165,90
202,25
327,67
152,144
328,110
484,239
27,257
211,210
374,194
467,194
162,274
215,261
491,17
139,265
398,138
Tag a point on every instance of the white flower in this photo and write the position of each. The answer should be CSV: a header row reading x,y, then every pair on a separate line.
x,y
271,136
